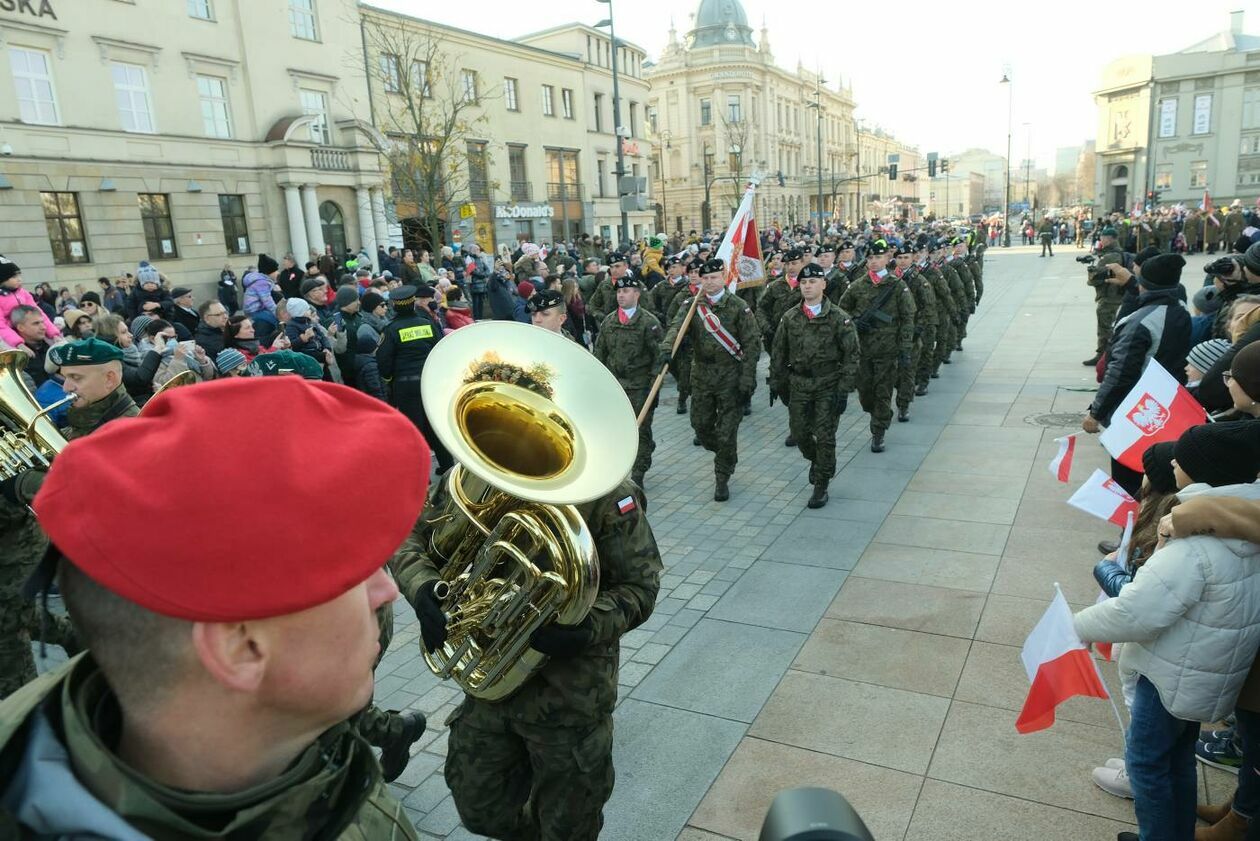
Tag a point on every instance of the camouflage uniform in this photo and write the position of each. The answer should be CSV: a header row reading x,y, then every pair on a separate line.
x,y
1191,227
1144,235
680,365
603,300
538,764
1232,228
964,296
1107,296
884,346
837,281
662,299
629,351
975,262
946,319
22,544
332,789
1164,234
813,366
925,327
720,382
779,297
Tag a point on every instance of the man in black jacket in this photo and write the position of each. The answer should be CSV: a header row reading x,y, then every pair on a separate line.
x,y
1244,279
1159,330
405,345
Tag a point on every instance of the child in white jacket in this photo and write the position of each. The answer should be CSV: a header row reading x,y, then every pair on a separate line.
x,y
1191,623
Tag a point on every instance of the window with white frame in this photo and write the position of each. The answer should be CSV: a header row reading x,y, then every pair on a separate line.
x,y
216,118
566,103
548,105
1251,108
389,72
32,77
200,9
509,93
468,84
315,104
1198,174
131,90
420,79
1163,177
1202,114
302,19
1167,117
734,113
1249,145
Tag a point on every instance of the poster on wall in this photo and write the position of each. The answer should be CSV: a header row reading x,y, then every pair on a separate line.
x,y
1168,118
1203,113
76,250
241,245
167,246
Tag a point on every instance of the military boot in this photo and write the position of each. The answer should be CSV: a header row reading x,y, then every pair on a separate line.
x,y
396,754
877,442
921,390
903,414
819,497
682,405
721,492
959,348
1092,361
789,441
695,440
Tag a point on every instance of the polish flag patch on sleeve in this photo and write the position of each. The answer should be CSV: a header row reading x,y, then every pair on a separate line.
x,y
625,506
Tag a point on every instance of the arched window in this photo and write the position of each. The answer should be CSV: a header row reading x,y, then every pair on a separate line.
x,y
334,227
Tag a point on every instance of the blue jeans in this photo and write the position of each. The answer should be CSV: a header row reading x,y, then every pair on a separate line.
x,y
1159,759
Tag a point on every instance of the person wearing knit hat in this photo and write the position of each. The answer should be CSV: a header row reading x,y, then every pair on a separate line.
x,y
1157,466
90,303
1217,454
344,329
1201,358
147,274
346,297
230,362
1243,380
1159,329
267,265
78,323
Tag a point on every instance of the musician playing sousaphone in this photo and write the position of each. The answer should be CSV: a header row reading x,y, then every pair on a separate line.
x,y
537,519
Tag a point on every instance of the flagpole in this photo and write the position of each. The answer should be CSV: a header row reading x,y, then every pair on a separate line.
x,y
673,351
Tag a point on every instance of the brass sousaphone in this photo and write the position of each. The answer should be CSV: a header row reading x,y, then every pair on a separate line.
x,y
536,425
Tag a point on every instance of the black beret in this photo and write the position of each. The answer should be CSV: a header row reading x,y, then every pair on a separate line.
x,y
903,249
827,249
717,264
628,281
544,300
811,270
846,245
617,257
794,254
879,246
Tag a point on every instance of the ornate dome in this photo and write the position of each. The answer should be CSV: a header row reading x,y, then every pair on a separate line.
x,y
721,22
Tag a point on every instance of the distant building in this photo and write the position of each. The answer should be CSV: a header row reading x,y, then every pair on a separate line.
x,y
1197,111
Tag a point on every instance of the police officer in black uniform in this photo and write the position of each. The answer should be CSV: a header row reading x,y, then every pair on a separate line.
x,y
406,343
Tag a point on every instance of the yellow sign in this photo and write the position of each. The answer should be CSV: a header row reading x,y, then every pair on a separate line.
x,y
411,334
483,235
466,210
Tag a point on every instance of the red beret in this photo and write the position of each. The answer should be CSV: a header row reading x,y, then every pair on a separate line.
x,y
235,499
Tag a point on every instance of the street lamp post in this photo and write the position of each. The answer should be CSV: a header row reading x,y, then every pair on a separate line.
x,y
708,184
667,137
1028,169
1006,203
817,105
621,152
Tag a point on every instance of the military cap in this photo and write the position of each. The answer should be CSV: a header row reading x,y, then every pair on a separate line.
x,y
544,300
811,270
85,352
827,249
672,260
402,296
717,264
846,245
617,257
793,254
286,362
879,246
903,249
628,281
86,496
1107,231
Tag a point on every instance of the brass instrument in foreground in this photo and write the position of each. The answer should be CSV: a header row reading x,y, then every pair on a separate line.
x,y
536,425
28,437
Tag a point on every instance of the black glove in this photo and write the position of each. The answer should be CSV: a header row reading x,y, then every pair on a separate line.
x,y
8,490
841,402
563,640
663,358
432,618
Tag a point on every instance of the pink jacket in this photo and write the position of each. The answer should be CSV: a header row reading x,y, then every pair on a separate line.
x,y
10,301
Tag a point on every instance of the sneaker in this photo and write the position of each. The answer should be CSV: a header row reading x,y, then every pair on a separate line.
x,y
1223,753
1207,735
1114,763
1114,781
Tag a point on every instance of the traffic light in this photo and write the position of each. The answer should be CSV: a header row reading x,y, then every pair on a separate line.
x,y
931,159
944,164
892,172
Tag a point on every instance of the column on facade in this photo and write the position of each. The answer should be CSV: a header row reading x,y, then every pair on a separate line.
x,y
367,229
297,225
379,223
314,231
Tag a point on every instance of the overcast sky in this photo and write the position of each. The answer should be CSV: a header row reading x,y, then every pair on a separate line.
x,y
928,71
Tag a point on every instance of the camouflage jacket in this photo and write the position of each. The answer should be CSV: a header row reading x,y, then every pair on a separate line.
x,y
975,262
837,281
662,296
882,339
117,404
1233,226
968,283
946,306
1191,227
629,350
818,354
61,727
779,297
603,300
713,367
924,298
579,690
1104,291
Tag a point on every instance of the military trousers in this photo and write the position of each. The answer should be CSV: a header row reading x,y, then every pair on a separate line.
x,y
405,396
1106,313
946,341
877,376
906,375
525,782
813,416
925,355
979,284
378,727
643,458
680,367
715,417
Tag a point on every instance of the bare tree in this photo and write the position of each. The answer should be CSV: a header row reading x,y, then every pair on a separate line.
x,y
741,133
429,109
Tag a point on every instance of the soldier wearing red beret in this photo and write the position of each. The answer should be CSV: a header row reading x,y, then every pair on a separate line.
x,y
225,658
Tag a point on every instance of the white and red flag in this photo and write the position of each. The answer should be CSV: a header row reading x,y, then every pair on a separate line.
x,y
1157,409
1206,207
741,247
1061,466
1122,558
1059,667
1103,497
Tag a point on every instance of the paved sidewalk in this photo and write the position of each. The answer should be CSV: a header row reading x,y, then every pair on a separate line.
x,y
872,646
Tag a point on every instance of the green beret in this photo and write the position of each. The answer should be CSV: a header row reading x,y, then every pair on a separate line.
x,y
1107,232
85,352
286,362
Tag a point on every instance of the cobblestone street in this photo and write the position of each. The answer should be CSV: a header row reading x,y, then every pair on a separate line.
x,y
871,646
